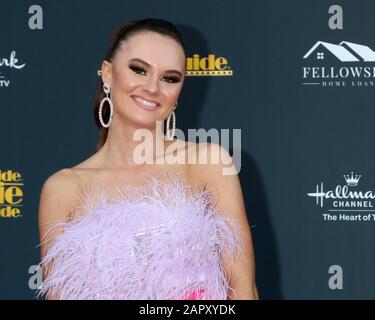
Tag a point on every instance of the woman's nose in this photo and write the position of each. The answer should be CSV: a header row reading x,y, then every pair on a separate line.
x,y
152,85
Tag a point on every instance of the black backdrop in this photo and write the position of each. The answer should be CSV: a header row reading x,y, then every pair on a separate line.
x,y
299,135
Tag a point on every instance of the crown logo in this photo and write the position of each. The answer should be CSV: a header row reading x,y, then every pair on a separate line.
x,y
352,180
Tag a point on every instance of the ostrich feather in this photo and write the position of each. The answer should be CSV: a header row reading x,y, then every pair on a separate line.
x,y
160,241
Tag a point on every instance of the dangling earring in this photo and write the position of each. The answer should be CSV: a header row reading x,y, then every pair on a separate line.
x,y
107,90
169,135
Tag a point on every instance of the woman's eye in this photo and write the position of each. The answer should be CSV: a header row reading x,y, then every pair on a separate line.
x,y
140,70
172,79
137,69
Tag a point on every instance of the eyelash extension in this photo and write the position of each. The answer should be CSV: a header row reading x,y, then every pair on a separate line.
x,y
140,70
136,69
173,79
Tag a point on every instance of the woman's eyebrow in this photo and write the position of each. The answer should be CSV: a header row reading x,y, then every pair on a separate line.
x,y
148,65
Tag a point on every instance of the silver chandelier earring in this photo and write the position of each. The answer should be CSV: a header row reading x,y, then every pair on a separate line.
x,y
169,134
107,90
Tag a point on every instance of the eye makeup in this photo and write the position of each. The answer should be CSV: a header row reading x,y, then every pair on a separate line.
x,y
138,69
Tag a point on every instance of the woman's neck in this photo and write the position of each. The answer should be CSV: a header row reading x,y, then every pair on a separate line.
x,y
128,149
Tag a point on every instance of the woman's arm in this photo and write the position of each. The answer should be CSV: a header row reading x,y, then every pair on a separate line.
x,y
56,200
231,203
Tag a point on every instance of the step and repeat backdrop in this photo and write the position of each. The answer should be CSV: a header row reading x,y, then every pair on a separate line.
x,y
295,78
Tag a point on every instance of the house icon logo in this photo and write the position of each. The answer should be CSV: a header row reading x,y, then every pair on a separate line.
x,y
346,64
344,52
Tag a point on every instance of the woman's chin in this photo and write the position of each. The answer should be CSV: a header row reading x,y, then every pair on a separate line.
x,y
141,119
150,124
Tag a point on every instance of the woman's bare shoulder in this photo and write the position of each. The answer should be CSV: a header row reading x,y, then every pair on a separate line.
x,y
59,195
208,160
63,179
64,183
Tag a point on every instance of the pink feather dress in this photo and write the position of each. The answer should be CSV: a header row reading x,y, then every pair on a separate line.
x,y
160,241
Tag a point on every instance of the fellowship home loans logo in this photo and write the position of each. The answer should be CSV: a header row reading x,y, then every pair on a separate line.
x,y
6,65
345,202
345,64
11,194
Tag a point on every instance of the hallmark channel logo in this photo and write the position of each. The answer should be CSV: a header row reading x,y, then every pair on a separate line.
x,y
10,63
345,202
11,194
339,65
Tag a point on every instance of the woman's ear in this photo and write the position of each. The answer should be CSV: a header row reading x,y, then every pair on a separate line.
x,y
106,73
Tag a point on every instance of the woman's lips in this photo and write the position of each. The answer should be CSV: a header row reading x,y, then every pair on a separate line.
x,y
145,104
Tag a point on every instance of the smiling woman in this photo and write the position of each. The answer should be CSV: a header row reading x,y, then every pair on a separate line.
x,y
112,228
144,68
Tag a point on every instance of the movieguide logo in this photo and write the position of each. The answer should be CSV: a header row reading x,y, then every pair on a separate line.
x,y
11,194
345,64
345,202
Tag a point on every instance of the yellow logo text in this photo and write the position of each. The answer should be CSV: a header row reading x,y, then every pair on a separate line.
x,y
208,66
11,194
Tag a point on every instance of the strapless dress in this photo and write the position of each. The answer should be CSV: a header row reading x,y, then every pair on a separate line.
x,y
158,241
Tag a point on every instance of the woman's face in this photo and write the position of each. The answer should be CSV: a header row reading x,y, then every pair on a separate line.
x,y
145,77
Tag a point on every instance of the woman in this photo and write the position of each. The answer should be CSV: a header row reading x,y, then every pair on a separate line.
x,y
114,227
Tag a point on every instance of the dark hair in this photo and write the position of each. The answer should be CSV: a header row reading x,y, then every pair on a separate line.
x,y
122,34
